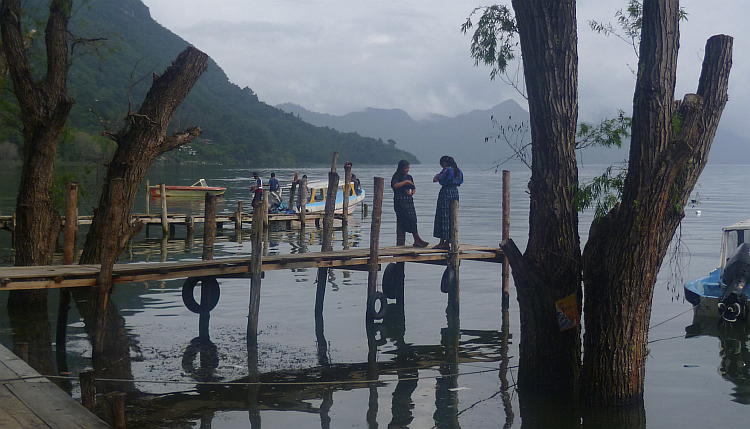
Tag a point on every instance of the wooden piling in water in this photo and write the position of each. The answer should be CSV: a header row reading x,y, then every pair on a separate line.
x,y
163,200
292,191
347,181
303,206
265,209
71,222
88,391
69,250
327,246
256,265
453,261
377,209
334,161
148,198
506,235
238,218
209,227
109,256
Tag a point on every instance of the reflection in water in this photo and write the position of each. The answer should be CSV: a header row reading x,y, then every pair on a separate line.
x,y
208,362
734,365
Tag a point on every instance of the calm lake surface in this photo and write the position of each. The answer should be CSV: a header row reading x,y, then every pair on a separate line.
x,y
693,381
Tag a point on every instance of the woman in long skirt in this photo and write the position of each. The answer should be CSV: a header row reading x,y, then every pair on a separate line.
x,y
450,178
406,215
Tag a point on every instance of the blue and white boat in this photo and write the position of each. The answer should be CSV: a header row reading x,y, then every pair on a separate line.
x,y
316,197
723,293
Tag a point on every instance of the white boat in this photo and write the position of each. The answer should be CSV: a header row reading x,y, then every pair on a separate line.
x,y
723,293
316,193
196,190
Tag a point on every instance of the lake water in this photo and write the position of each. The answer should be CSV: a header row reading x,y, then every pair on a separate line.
x,y
694,381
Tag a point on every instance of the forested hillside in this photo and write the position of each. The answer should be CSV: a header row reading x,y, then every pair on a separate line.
x,y
237,127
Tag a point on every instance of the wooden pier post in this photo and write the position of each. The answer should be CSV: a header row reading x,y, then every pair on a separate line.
x,y
292,190
377,209
347,181
190,228
453,261
334,161
327,246
256,265
265,209
209,235
148,198
506,235
163,199
88,391
209,227
109,256
303,206
69,250
238,218
71,222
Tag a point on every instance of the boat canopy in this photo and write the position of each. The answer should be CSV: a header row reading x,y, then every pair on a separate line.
x,y
733,236
202,183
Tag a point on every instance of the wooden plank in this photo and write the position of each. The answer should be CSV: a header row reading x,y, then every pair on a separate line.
x,y
55,407
15,414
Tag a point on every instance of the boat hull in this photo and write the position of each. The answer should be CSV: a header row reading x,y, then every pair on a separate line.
x,y
320,206
186,191
704,294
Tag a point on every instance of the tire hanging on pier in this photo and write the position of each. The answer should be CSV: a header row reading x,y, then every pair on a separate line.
x,y
210,293
393,281
372,305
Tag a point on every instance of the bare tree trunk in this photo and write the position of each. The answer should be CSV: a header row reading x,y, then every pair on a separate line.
x,y
550,268
141,141
669,148
44,109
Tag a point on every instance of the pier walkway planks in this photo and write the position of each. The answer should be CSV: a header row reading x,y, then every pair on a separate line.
x,y
28,400
60,276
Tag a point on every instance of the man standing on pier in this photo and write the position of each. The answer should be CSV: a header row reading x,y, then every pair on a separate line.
x,y
257,188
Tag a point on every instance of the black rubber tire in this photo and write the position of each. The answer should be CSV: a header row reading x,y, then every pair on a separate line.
x,y
209,285
377,296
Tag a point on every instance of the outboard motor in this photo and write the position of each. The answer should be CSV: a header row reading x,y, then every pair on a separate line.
x,y
274,202
733,303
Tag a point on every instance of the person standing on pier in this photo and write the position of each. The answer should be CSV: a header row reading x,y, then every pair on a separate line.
x,y
273,184
257,188
450,178
406,215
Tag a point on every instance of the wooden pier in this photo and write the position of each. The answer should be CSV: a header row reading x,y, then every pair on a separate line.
x,y
62,276
28,400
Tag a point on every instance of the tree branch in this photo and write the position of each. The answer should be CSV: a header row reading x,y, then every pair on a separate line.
x,y
179,138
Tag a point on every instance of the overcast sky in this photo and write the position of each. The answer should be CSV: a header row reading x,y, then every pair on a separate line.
x,y
341,56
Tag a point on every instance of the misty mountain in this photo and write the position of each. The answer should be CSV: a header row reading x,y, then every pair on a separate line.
x,y
469,138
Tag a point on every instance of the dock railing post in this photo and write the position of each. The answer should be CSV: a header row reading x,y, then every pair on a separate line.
x,y
453,261
506,235
88,391
327,245
377,209
347,189
238,219
148,198
209,235
69,251
292,190
209,227
163,199
71,222
265,209
256,265
303,206
109,256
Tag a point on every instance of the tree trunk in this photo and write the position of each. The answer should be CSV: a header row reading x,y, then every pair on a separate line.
x,y
669,148
44,108
140,142
550,269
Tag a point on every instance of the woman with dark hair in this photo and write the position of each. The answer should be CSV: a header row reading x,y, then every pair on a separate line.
x,y
403,203
450,178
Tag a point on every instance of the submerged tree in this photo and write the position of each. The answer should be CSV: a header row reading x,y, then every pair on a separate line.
x,y
620,262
